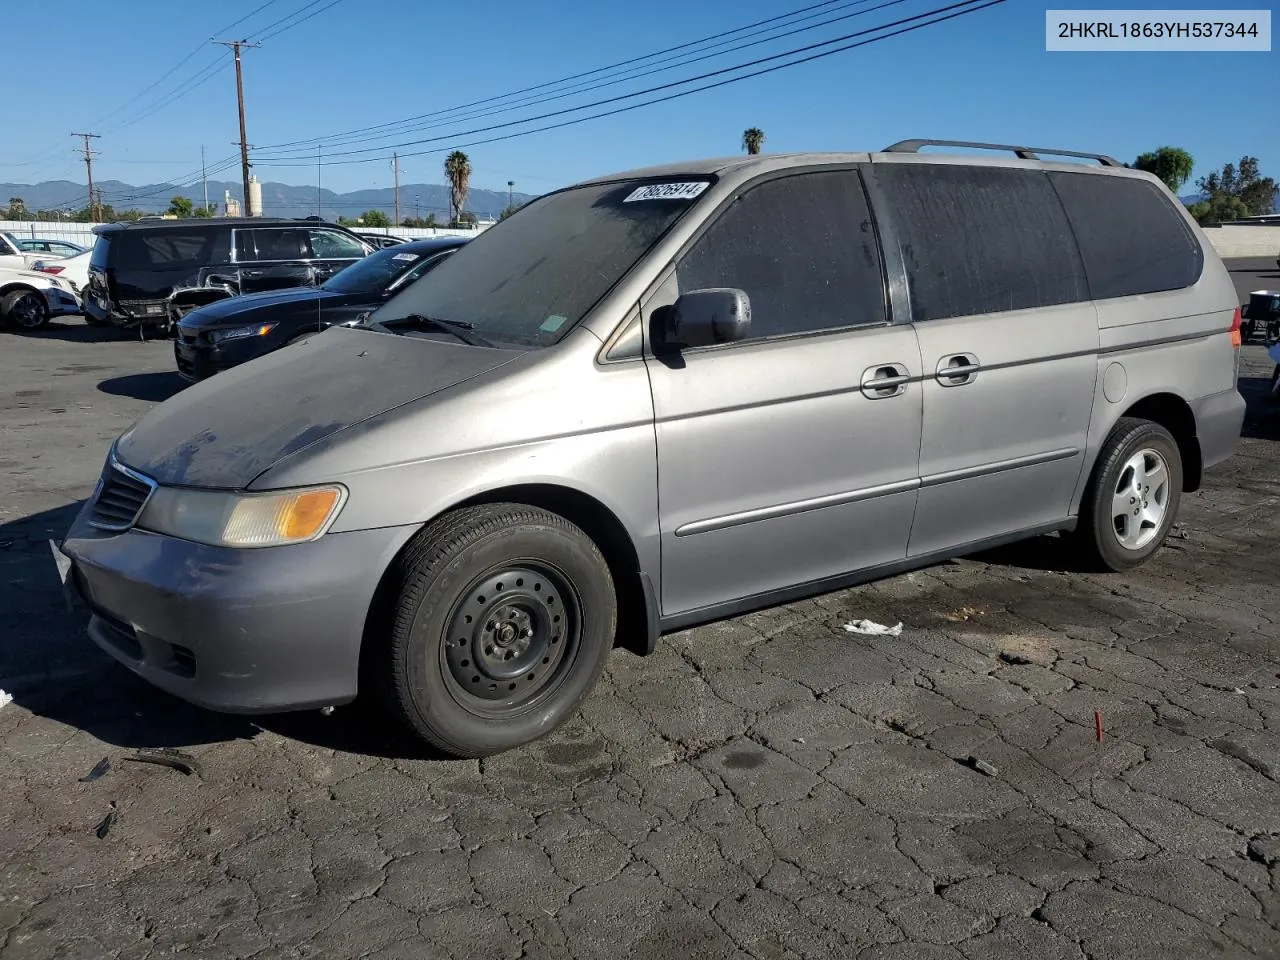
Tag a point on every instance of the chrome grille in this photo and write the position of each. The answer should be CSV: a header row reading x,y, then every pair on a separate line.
x,y
120,498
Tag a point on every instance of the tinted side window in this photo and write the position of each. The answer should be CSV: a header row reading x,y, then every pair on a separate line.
x,y
278,244
804,250
331,245
165,249
1132,239
981,239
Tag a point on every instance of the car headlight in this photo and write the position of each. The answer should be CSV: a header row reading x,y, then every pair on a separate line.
x,y
238,333
229,519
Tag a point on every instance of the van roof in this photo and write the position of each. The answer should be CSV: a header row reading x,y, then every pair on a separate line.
x,y
189,223
723,165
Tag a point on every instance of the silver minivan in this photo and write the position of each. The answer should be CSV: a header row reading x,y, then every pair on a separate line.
x,y
658,399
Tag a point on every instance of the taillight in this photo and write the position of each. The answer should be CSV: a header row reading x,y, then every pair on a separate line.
x,y
49,269
1234,329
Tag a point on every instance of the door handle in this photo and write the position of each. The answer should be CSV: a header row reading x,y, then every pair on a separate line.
x,y
957,369
884,381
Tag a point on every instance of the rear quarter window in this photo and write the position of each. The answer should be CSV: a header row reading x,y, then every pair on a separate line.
x,y
980,239
1131,237
162,250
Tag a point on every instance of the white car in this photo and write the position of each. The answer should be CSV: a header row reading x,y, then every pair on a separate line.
x,y
50,249
12,255
28,298
75,269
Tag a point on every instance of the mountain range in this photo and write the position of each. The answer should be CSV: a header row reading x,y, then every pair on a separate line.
x,y
278,199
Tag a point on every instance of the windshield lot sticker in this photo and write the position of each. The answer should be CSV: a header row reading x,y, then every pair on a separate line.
x,y
552,323
405,256
667,191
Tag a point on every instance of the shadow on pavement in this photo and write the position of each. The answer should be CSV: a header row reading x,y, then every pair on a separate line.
x,y
1262,417
52,668
77,331
152,387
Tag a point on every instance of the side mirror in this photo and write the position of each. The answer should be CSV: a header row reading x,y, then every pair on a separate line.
x,y
702,318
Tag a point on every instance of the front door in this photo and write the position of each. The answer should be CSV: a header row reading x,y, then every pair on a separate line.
x,y
1009,344
790,457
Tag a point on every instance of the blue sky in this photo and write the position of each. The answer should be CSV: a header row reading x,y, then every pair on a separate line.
x,y
985,76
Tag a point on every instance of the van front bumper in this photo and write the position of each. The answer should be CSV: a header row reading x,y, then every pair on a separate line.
x,y
233,630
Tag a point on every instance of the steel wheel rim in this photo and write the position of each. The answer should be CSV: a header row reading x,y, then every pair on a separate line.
x,y
1140,499
512,637
28,311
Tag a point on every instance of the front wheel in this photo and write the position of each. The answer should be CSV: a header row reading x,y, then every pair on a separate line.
x,y
1133,496
26,309
501,617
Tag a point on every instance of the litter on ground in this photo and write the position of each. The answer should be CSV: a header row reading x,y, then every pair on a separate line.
x,y
99,770
870,628
5,698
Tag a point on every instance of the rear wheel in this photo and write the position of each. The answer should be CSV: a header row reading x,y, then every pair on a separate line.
x,y
500,618
25,309
1133,496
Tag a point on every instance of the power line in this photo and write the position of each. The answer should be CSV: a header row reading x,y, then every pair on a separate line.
x,y
184,61
290,16
553,83
609,80
275,161
190,85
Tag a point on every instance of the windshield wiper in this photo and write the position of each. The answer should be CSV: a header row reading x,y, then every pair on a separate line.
x,y
462,330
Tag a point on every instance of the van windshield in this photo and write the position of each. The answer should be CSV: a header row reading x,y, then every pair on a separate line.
x,y
531,278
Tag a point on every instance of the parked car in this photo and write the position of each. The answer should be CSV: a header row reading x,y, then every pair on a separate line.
x,y
1261,315
662,398
229,332
12,256
150,274
51,248
379,240
74,269
28,298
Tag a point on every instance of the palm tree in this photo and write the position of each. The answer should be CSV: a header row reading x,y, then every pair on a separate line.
x,y
752,139
457,167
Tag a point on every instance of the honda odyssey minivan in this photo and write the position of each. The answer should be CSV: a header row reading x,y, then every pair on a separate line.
x,y
658,399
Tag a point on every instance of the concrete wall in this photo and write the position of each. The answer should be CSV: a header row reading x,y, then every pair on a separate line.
x,y
1242,241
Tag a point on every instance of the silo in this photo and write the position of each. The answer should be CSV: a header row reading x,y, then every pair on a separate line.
x,y
255,196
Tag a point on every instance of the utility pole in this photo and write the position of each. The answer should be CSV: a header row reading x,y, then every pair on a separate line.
x,y
511,184
88,163
204,176
395,166
416,218
235,46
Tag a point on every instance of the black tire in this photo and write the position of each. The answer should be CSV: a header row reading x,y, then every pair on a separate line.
x,y
91,321
1102,533
24,309
453,679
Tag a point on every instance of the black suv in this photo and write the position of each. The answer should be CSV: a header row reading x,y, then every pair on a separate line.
x,y
150,273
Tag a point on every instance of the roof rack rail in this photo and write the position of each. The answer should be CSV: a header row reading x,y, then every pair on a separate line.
x,y
1025,153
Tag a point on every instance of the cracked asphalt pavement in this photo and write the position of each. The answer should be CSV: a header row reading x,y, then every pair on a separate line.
x,y
768,787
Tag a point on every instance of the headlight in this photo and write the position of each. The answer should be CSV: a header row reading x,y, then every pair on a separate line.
x,y
238,333
229,519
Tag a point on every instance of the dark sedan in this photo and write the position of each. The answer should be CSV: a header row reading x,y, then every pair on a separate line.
x,y
229,332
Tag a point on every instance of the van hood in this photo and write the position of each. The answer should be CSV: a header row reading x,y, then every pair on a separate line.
x,y
223,432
